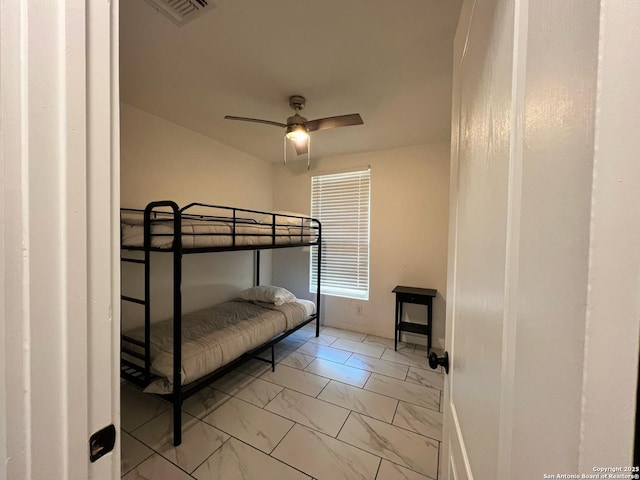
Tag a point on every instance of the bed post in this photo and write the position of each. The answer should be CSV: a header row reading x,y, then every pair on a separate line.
x,y
257,269
147,295
177,306
319,267
177,325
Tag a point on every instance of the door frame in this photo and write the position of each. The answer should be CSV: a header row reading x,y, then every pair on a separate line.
x,y
613,308
612,319
59,237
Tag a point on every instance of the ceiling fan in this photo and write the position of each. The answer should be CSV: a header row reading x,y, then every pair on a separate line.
x,y
298,128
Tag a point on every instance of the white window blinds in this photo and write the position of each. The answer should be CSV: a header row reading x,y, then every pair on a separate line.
x,y
341,203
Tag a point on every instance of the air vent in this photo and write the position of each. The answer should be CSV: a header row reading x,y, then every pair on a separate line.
x,y
182,11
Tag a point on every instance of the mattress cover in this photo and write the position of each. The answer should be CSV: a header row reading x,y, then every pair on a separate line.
x,y
198,233
215,336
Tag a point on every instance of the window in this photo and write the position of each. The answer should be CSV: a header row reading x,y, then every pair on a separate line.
x,y
341,203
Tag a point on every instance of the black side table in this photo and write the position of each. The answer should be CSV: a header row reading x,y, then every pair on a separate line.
x,y
420,296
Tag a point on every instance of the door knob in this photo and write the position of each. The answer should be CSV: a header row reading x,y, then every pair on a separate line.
x,y
435,361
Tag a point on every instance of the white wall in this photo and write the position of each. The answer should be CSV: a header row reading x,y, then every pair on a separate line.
x,y
163,161
409,208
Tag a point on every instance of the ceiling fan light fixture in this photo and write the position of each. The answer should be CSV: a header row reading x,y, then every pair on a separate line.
x,y
297,132
297,127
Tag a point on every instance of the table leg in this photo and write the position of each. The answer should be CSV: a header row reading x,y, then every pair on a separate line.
x,y
396,326
429,323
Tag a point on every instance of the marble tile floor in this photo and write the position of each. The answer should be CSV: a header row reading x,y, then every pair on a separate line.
x,y
342,406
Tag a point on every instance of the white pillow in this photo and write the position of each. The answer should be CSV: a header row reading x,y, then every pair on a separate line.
x,y
285,220
268,294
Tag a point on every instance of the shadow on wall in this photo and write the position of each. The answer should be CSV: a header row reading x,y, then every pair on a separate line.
x,y
207,279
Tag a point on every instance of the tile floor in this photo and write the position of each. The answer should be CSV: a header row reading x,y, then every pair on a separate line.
x,y
340,406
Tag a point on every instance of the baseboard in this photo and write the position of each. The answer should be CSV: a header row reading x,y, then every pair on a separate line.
x,y
422,340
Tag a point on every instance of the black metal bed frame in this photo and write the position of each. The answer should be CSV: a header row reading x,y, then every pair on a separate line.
x,y
139,372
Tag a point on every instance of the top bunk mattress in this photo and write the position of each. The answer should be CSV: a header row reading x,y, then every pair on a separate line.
x,y
217,232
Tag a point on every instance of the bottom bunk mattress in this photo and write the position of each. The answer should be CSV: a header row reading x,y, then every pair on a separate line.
x,y
215,336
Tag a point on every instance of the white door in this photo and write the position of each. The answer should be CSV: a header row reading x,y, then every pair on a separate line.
x,y
480,178
59,232
544,213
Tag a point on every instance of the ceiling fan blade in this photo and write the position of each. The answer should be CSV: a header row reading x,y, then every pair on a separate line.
x,y
301,146
334,122
255,120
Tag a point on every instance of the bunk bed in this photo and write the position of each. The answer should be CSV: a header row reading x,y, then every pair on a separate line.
x,y
200,347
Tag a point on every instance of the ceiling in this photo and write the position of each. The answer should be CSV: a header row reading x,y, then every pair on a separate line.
x,y
389,60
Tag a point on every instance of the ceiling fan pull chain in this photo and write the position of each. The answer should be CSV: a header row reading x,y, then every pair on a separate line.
x,y
308,152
